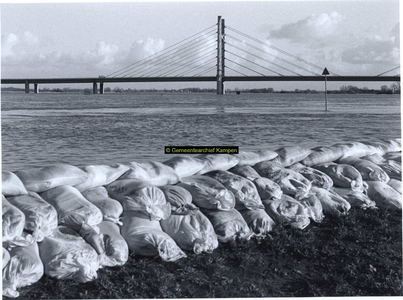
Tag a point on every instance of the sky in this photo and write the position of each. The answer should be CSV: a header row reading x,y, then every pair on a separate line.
x,y
76,39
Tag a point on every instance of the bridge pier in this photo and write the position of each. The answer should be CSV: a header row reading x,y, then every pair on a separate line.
x,y
94,88
220,56
26,87
36,89
101,87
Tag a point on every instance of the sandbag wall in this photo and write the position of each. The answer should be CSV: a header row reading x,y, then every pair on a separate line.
x,y
67,222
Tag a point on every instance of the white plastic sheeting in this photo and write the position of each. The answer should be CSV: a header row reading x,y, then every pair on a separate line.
x,y
23,269
6,257
268,189
66,255
43,179
316,177
331,202
384,195
258,221
216,162
40,216
245,171
368,169
72,208
116,247
185,166
251,158
355,198
290,155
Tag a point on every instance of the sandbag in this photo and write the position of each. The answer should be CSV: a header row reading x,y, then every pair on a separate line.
x,y
192,232
290,155
355,198
251,158
396,156
320,155
6,257
354,149
99,175
245,171
66,255
316,177
13,222
385,147
24,268
392,168
258,221
228,225
313,206
215,162
245,192
116,248
384,195
40,216
72,208
185,166
42,179
331,202
154,173
136,195
11,185
111,209
208,193
179,198
368,169
343,175
291,182
268,189
287,211
396,184
145,237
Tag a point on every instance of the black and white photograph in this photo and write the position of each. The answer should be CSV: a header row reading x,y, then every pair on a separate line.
x,y
201,149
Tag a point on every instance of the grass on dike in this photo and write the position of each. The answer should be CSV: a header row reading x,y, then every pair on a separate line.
x,y
355,255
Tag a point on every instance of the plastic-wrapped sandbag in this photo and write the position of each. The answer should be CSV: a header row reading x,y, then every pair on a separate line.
x,y
72,208
384,195
391,167
245,192
343,175
316,177
216,162
24,268
396,184
136,195
179,198
384,147
145,237
6,257
258,221
396,156
331,202
355,198
154,173
320,155
185,166
66,255
253,157
228,225
40,216
355,149
245,171
290,155
268,189
116,247
193,231
99,175
208,193
368,169
291,182
13,222
42,179
287,211
11,185
313,206
111,209
98,241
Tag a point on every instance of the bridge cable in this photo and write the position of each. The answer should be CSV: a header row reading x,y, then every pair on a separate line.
x,y
388,71
236,71
208,70
227,59
194,69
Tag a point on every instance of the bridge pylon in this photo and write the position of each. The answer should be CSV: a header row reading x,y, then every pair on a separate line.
x,y
220,56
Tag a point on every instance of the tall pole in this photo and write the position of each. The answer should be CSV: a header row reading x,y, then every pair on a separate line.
x,y
220,56
325,92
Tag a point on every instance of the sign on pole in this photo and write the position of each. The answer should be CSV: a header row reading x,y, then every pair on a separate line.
x,y
325,72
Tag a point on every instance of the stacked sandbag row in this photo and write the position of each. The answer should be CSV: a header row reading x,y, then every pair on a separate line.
x,y
81,219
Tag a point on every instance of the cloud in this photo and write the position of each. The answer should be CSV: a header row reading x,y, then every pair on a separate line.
x,y
311,28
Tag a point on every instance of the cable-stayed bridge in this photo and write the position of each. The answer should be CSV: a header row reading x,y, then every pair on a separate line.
x,y
218,54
